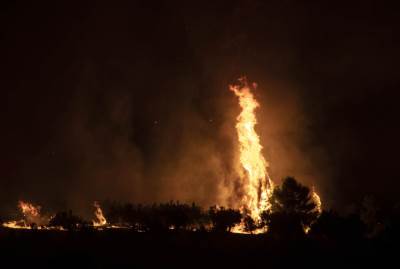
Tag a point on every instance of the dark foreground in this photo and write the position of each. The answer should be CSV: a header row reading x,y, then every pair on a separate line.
x,y
127,249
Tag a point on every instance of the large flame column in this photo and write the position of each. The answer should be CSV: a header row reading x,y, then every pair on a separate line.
x,y
256,182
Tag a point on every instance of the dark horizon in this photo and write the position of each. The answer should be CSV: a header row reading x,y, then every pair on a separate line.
x,y
130,102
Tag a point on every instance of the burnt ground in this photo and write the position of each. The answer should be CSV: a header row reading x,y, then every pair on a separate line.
x,y
127,249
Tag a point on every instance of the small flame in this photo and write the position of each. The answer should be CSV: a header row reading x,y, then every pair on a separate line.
x,y
101,220
317,200
318,207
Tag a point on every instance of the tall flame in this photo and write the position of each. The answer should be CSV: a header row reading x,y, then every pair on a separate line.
x,y
256,182
101,220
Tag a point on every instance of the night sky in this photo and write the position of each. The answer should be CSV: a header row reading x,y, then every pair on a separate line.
x,y
129,101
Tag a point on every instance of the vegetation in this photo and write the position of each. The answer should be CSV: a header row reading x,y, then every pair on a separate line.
x,y
292,209
67,220
292,215
223,220
190,236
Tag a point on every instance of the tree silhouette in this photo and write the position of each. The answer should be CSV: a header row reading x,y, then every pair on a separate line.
x,y
331,226
179,216
328,226
292,209
158,217
249,224
66,220
224,219
371,216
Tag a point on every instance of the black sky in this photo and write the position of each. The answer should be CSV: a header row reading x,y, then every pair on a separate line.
x,y
129,100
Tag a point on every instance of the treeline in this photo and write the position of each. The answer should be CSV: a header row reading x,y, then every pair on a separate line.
x,y
293,213
156,218
172,216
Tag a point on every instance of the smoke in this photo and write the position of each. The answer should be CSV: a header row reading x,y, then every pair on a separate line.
x,y
135,143
288,140
145,115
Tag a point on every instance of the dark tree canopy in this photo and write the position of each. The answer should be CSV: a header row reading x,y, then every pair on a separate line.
x,y
331,226
224,219
292,197
249,224
292,209
66,220
157,217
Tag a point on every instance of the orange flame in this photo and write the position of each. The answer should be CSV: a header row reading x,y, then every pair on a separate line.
x,y
29,210
16,225
31,216
101,220
256,182
317,200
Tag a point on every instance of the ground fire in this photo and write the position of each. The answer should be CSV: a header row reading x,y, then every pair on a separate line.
x,y
32,217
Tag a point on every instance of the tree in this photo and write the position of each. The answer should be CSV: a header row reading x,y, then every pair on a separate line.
x,y
224,219
331,226
66,220
292,209
371,216
328,226
249,224
157,217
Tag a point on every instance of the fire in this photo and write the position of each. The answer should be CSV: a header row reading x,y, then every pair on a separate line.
x,y
256,182
318,207
29,210
317,200
34,219
101,220
31,215
16,225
